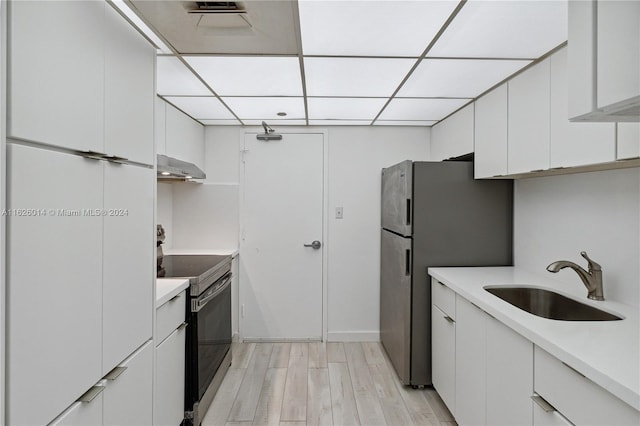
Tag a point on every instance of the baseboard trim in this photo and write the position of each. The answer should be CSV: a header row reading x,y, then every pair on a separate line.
x,y
353,336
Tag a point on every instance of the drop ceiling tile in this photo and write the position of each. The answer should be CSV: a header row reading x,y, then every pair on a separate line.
x,y
457,78
339,122
404,123
275,123
354,76
201,107
266,108
249,75
421,109
220,122
370,28
174,78
344,108
504,29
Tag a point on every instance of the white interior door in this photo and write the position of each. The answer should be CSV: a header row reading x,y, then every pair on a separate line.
x,y
282,210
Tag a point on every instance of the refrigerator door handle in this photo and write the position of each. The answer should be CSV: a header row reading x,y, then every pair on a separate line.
x,y
407,262
408,211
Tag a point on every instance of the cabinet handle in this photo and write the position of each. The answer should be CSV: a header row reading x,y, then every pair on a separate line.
x,y
407,262
174,298
536,170
182,326
115,373
115,159
94,155
573,369
449,319
89,395
542,403
408,211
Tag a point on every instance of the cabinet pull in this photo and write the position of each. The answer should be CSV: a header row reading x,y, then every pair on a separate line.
x,y
408,211
115,159
449,319
542,403
442,284
536,170
94,155
115,373
407,262
89,395
573,369
174,298
182,326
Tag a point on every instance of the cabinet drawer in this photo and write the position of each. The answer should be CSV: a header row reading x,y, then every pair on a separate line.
x,y
580,400
542,417
169,316
168,406
444,298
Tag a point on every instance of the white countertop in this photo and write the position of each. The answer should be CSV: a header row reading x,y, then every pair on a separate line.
x,y
220,251
607,352
167,288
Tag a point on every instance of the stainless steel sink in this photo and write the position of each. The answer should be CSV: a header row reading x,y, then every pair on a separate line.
x,y
549,304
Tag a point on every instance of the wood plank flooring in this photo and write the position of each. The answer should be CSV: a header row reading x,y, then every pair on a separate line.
x,y
319,384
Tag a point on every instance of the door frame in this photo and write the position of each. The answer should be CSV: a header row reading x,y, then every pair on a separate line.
x,y
325,217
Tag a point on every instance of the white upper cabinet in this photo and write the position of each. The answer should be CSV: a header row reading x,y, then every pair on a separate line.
x,y
454,136
184,137
56,68
528,119
574,144
628,141
491,133
604,60
129,89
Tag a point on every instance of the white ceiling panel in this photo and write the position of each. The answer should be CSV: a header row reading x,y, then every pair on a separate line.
x,y
504,29
201,107
266,108
354,76
421,109
174,78
275,123
420,123
370,28
250,75
339,122
220,122
344,108
457,78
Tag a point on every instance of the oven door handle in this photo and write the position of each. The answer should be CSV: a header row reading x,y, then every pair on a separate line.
x,y
198,304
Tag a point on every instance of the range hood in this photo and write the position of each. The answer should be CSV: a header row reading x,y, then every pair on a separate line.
x,y
172,169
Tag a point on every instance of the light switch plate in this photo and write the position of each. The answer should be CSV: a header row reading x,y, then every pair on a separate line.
x,y
338,212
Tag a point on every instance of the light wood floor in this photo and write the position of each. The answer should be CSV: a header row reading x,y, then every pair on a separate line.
x,y
295,384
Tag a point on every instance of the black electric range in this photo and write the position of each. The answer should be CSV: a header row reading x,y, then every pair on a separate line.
x,y
208,318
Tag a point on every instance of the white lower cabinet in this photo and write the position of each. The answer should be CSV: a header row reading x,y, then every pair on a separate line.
x,y
128,394
444,344
81,414
544,415
168,407
509,372
168,400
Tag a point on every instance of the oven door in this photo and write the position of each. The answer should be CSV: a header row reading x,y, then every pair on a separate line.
x,y
208,338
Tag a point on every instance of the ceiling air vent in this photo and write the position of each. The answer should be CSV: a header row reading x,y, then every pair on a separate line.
x,y
221,17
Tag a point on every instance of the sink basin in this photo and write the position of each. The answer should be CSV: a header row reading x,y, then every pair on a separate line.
x,y
549,304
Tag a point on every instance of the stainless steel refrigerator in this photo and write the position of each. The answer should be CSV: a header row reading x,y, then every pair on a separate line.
x,y
433,214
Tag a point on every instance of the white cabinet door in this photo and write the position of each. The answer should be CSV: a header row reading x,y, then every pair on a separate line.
x,y
129,263
628,141
491,134
160,126
54,282
168,404
541,417
129,88
184,137
581,58
444,349
81,414
528,119
57,72
509,373
128,398
574,144
454,136
470,384
618,51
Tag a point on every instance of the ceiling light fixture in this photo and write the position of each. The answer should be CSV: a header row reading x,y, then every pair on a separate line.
x,y
126,10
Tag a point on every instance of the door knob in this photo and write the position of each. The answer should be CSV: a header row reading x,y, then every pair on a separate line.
x,y
315,245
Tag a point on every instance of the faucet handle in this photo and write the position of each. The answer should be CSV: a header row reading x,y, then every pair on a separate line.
x,y
593,265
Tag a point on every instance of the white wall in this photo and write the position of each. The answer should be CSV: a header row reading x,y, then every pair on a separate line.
x,y
557,217
164,212
356,156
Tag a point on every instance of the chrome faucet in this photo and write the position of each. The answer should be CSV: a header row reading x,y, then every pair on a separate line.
x,y
592,279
